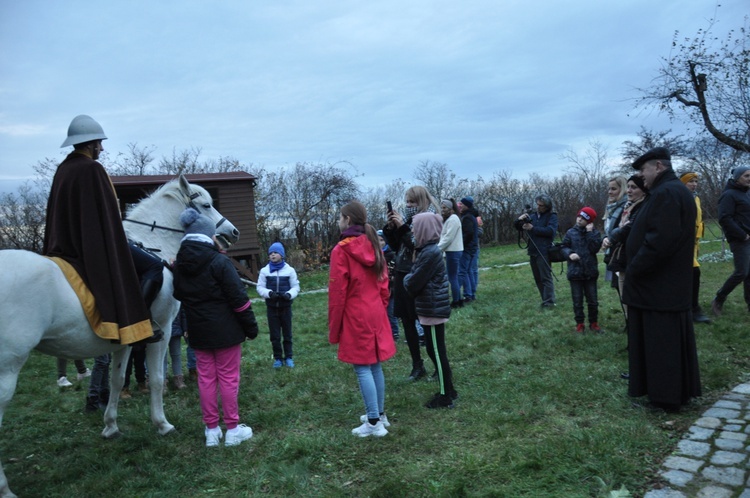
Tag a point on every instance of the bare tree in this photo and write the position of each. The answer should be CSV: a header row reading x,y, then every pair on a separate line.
x,y
22,218
136,161
708,85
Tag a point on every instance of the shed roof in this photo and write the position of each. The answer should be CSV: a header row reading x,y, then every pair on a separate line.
x,y
231,176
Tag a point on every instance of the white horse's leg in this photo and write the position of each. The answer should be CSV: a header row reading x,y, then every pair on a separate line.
x,y
116,381
8,378
155,361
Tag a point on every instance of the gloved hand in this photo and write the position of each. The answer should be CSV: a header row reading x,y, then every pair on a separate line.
x,y
287,296
251,332
272,295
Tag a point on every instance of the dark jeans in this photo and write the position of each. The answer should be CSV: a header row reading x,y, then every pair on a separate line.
x,y
280,322
62,367
452,262
99,383
542,271
392,319
579,289
741,274
138,360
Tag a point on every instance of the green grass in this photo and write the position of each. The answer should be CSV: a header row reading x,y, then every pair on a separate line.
x,y
542,412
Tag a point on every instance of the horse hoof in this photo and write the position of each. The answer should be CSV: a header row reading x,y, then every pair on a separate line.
x,y
111,435
167,429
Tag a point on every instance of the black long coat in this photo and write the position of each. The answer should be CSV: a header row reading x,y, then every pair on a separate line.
x,y
659,249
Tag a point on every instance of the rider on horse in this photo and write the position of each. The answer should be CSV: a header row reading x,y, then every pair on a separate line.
x,y
84,228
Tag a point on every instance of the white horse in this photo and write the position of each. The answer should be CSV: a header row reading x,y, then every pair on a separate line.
x,y
39,310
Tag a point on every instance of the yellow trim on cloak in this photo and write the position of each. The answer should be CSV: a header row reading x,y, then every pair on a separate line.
x,y
106,330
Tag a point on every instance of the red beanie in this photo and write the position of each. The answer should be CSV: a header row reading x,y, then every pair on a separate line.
x,y
588,214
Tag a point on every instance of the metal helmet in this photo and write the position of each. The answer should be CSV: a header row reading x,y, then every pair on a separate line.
x,y
83,129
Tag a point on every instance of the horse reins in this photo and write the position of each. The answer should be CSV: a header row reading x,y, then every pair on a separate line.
x,y
190,203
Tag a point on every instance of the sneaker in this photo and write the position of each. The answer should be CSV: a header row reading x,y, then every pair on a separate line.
x,y
580,328
83,375
63,382
237,435
440,401
277,363
383,418
596,328
366,429
213,436
289,362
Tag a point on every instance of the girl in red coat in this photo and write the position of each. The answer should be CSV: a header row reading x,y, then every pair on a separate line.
x,y
357,317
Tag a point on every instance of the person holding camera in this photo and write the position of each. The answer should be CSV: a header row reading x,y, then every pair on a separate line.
x,y
580,245
540,228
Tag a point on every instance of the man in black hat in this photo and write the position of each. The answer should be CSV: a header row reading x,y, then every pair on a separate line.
x,y
662,355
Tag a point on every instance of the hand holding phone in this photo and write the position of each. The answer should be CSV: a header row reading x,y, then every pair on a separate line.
x,y
388,206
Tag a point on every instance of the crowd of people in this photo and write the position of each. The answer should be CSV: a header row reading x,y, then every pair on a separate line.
x,y
417,270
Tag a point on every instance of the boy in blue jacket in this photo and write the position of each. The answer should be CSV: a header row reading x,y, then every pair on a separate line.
x,y
580,245
278,285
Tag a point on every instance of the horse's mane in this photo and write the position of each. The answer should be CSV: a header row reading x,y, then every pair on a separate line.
x,y
169,189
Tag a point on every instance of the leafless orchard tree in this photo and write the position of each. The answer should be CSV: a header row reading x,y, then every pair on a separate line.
x,y
706,81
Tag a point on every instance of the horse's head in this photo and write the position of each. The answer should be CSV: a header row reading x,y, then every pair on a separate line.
x,y
160,212
199,199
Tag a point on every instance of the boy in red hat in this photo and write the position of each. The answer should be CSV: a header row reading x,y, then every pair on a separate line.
x,y
580,245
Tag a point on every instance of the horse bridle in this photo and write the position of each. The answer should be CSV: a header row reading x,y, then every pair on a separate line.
x,y
190,204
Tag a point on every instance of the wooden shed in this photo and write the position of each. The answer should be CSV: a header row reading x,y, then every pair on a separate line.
x,y
233,195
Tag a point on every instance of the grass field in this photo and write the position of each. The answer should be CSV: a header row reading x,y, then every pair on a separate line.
x,y
542,411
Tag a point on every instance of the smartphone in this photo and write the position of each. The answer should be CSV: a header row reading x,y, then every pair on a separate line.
x,y
388,206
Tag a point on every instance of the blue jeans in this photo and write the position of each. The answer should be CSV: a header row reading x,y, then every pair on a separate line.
x,y
542,271
741,274
174,351
579,288
372,386
475,274
465,277
452,262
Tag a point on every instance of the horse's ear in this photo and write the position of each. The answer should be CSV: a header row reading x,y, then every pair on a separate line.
x,y
184,186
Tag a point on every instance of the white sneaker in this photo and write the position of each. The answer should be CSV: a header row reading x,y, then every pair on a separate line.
x,y
367,429
63,382
383,418
237,435
213,436
83,375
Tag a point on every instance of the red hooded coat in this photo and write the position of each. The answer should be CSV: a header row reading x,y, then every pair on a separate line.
x,y
357,302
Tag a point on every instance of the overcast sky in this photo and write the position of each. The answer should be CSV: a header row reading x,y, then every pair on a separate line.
x,y
480,85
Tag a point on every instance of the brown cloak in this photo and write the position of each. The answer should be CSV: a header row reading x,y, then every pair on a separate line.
x,y
85,229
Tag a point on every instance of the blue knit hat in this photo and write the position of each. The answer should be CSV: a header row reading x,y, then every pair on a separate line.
x,y
278,248
194,222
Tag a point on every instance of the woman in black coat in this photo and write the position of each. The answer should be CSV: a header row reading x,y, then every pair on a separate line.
x,y
428,283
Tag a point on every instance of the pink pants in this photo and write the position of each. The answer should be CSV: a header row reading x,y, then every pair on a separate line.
x,y
219,375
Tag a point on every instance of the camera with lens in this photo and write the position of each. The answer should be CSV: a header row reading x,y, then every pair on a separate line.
x,y
524,218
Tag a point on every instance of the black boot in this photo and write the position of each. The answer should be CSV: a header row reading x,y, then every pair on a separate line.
x,y
417,371
150,289
92,404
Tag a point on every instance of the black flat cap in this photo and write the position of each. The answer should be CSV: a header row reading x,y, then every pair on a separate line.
x,y
655,153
